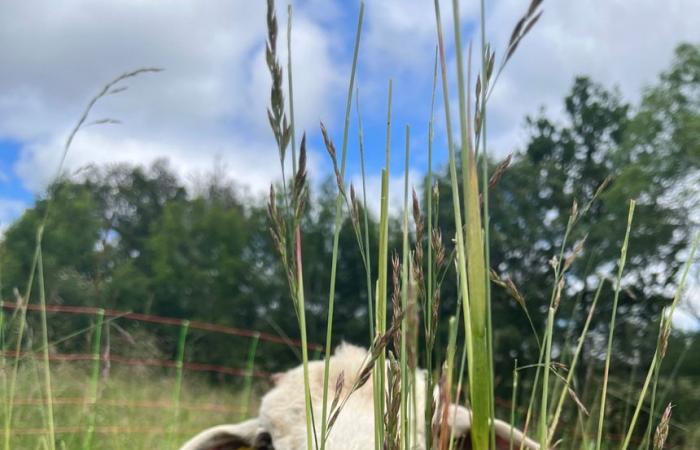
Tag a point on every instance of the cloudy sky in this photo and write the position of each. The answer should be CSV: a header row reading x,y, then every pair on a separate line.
x,y
208,106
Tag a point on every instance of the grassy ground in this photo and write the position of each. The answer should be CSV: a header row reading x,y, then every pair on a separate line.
x,y
134,410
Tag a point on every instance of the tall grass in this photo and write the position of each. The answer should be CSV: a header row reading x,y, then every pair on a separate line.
x,y
470,206
395,404
338,226
608,356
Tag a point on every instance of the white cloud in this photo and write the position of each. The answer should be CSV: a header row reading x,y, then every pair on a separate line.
x,y
618,43
209,103
211,99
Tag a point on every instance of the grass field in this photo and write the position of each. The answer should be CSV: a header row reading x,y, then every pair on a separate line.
x,y
135,409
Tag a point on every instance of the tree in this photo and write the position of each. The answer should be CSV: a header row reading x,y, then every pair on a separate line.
x,y
71,232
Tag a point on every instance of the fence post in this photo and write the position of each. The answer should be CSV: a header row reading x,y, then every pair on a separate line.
x,y
248,382
94,380
179,364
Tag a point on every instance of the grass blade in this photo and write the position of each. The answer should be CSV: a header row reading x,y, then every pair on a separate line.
x,y
338,227
608,356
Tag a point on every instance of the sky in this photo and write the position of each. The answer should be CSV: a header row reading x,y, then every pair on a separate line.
x,y
207,107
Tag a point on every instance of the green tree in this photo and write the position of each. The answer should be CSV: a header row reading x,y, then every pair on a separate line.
x,y
68,246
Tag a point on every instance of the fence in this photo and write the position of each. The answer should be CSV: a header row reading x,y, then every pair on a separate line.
x,y
179,364
99,358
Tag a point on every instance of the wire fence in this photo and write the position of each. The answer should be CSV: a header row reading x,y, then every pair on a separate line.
x,y
98,358
128,315
147,362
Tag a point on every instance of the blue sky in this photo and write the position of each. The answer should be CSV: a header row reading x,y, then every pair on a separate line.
x,y
13,195
12,186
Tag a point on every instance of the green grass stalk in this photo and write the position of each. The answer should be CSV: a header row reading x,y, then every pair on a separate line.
x,y
566,352
51,431
404,429
290,84
94,379
477,273
365,216
381,295
574,361
460,377
542,429
427,311
459,235
608,356
486,217
177,388
533,392
652,407
513,402
301,314
248,381
665,329
452,326
21,325
337,228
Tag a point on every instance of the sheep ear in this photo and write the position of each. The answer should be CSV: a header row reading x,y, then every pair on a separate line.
x,y
459,419
225,437
504,432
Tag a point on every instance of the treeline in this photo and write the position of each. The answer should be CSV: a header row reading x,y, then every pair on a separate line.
x,y
135,238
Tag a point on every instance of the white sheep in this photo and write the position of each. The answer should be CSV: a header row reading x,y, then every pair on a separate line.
x,y
281,422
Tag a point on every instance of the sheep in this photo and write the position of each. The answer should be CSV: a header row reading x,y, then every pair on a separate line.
x,y
281,422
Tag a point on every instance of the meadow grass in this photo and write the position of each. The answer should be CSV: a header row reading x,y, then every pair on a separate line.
x,y
34,392
134,411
